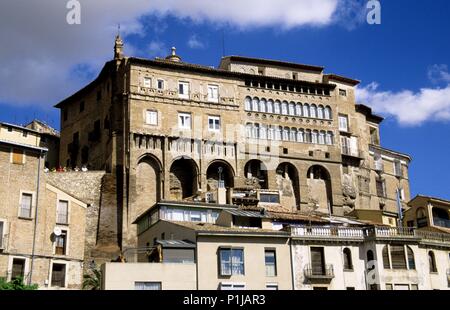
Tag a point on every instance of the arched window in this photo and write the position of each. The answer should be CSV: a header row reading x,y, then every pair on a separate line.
x,y
263,132
348,264
293,135
262,106
276,108
398,257
308,136
255,104
298,109
306,110
278,133
248,130
284,108
248,104
270,106
313,110
432,262
270,133
327,113
286,134
386,260
411,260
255,131
320,112
370,260
322,137
301,136
292,108
329,138
314,137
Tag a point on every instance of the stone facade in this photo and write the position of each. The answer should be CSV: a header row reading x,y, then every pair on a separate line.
x,y
163,128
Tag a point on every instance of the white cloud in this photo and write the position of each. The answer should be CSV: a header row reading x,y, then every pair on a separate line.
x,y
439,73
195,43
41,54
157,48
408,107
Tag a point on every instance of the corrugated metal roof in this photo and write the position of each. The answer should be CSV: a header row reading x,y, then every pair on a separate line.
x,y
247,213
176,244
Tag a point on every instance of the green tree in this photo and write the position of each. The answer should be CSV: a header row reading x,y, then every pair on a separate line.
x,y
16,284
92,280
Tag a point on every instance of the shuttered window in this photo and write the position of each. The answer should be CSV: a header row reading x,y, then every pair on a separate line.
x,y
18,157
386,260
317,261
26,205
398,257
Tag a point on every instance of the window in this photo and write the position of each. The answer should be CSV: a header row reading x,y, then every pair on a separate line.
x,y
231,261
151,118
329,138
161,84
26,203
284,108
327,113
232,286
293,135
343,123
305,110
213,123
184,120
314,137
147,82
348,264
432,262
292,108
58,275
411,261
272,286
285,134
263,132
381,188
398,257
374,136
61,243
271,263
317,261
270,106
183,90
18,157
301,136
255,105
147,286
298,109
389,287
313,111
248,104
262,106
386,260
398,168
62,212
320,112
213,93
276,108
414,287
342,92
81,106
18,268
322,137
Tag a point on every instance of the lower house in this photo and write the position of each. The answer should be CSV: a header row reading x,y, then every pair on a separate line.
x,y
258,250
57,259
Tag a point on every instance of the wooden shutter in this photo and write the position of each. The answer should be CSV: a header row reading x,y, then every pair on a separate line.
x,y
386,262
18,156
317,261
398,257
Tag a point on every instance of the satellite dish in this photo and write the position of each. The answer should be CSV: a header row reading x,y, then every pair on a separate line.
x,y
57,231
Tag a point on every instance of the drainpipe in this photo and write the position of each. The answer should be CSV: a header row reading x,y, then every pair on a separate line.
x,y
41,152
292,262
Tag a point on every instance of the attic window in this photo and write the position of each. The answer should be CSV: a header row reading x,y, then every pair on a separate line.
x,y
342,92
261,70
295,76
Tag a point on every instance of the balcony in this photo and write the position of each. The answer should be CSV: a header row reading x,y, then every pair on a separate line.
x,y
399,233
352,152
433,236
323,232
324,273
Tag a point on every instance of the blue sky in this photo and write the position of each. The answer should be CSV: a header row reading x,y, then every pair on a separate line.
x,y
402,63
